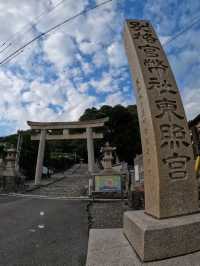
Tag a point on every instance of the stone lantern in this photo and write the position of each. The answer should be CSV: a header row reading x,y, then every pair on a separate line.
x,y
2,167
108,182
9,173
108,157
10,162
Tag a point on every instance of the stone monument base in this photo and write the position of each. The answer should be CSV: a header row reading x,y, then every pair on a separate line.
x,y
155,239
109,247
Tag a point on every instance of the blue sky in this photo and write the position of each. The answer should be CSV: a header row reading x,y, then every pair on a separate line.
x,y
83,63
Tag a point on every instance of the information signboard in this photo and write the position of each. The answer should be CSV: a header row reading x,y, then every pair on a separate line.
x,y
108,183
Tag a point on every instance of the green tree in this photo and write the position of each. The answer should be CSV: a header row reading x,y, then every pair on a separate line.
x,y
122,129
28,155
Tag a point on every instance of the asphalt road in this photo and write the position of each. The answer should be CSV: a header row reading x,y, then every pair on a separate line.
x,y
47,232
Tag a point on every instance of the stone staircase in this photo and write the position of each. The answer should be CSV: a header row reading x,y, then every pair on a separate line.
x,y
73,184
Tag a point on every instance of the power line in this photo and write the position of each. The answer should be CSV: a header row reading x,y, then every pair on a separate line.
x,y
26,28
12,57
182,31
196,20
2,50
16,52
36,19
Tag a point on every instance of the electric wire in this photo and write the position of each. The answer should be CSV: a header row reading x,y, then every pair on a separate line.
x,y
2,50
195,21
182,31
16,52
28,26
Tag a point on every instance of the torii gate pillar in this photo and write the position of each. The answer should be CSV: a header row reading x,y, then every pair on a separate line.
x,y
40,157
90,149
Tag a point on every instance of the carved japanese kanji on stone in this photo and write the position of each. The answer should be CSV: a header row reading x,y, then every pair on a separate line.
x,y
170,184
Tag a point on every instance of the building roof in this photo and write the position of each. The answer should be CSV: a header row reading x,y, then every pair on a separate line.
x,y
195,121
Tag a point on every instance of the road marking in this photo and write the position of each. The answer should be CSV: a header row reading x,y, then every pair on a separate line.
x,y
45,197
41,226
32,230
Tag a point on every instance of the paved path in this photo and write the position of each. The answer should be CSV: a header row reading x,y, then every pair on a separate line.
x,y
73,185
42,232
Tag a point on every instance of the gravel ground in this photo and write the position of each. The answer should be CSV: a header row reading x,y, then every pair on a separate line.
x,y
107,214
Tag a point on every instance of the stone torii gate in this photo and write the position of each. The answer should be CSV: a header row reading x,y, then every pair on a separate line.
x,y
46,132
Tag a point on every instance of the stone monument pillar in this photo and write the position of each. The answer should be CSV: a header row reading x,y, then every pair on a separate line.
x,y
90,149
167,233
169,178
166,144
40,157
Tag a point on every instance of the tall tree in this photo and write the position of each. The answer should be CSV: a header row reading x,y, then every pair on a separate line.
x,y
122,129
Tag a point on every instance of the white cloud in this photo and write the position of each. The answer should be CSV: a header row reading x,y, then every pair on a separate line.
x,y
86,55
191,100
89,47
59,49
100,59
83,87
104,84
164,39
116,55
21,12
76,104
16,21
36,103
66,10
118,98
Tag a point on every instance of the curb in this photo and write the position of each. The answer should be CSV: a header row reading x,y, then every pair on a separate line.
x,y
45,197
35,187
